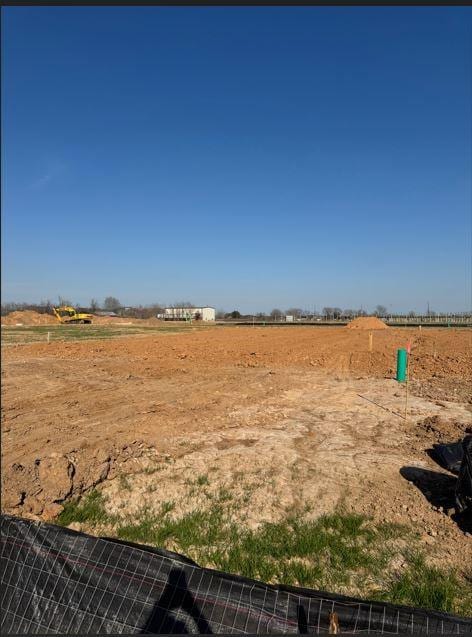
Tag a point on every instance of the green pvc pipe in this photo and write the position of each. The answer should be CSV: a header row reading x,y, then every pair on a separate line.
x,y
402,358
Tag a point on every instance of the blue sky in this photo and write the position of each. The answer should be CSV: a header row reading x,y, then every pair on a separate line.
x,y
243,158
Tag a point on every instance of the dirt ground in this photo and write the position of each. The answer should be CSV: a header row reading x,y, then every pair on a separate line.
x,y
307,415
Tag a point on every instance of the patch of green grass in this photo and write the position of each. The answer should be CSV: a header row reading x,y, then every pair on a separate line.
x,y
88,509
38,333
167,506
124,482
193,533
428,587
311,553
323,552
150,470
224,495
202,480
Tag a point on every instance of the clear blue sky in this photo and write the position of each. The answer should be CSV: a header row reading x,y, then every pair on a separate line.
x,y
244,158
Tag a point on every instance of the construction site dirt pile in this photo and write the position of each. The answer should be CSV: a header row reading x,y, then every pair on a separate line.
x,y
367,323
28,317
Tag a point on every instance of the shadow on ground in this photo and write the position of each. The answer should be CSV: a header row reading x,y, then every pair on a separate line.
x,y
439,490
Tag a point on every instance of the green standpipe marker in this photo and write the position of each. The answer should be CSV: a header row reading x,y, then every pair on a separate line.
x,y
402,358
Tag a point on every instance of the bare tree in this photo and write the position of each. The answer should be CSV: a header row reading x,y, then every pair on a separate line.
x,y
63,301
294,311
411,314
381,311
328,312
337,311
183,304
111,304
42,308
276,314
220,314
45,307
94,305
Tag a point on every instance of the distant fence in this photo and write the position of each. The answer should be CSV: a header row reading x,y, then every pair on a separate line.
x,y
440,320
456,319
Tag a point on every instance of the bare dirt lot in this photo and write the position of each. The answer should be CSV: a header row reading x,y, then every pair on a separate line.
x,y
306,415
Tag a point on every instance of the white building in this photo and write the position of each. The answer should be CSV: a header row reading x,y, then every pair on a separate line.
x,y
188,313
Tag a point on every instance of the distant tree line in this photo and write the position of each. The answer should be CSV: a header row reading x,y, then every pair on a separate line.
x,y
327,313
331,313
112,304
108,304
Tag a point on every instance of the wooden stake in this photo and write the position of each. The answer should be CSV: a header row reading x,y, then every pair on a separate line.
x,y
370,341
406,393
48,336
406,400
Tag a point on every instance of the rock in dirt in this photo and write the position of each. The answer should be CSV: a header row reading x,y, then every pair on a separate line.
x,y
51,511
75,526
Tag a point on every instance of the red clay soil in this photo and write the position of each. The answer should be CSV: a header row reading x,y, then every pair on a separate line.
x,y
74,413
367,323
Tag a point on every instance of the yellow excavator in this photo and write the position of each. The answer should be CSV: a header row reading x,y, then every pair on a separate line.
x,y
67,314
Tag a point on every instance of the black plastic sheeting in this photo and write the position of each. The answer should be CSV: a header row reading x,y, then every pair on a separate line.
x,y
456,457
464,480
449,456
55,580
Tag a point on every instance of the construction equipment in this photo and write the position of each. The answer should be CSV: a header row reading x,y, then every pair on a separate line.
x,y
67,314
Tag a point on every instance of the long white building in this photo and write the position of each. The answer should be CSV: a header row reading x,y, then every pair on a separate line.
x,y
188,313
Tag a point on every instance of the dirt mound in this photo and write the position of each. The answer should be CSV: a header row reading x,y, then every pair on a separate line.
x,y
367,323
28,317
443,430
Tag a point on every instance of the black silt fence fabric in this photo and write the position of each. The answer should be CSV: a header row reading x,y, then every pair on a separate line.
x,y
449,456
56,580
464,481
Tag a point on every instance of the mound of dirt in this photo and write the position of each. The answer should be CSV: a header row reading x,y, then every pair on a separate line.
x,y
28,317
442,430
367,323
